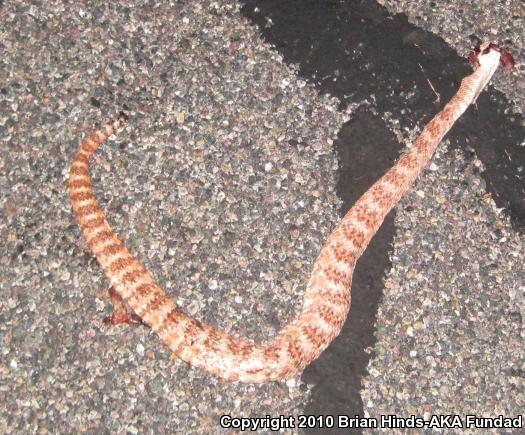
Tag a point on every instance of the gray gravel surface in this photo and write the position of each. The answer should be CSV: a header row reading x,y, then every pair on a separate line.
x,y
222,183
461,22
450,329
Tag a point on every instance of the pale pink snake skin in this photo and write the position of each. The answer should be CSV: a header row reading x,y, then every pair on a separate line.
x,y
327,295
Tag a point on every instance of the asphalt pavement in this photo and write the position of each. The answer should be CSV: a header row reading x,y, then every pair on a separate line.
x,y
252,127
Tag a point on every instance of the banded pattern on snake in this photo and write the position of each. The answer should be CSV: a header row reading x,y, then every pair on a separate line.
x,y
327,295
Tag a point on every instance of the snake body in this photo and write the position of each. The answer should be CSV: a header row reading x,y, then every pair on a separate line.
x,y
327,295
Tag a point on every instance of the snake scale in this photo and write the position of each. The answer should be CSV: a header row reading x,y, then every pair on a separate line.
x,y
327,295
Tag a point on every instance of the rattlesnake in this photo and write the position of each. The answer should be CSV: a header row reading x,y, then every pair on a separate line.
x,y
327,295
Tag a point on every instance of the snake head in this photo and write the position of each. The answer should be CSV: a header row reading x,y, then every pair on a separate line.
x,y
506,59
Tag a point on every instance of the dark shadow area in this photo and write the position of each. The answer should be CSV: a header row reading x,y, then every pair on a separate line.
x,y
366,149
355,51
